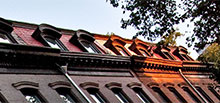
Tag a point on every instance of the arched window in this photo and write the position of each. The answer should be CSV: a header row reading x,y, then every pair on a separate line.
x,y
178,96
120,95
30,91
85,41
214,92
4,38
96,95
204,94
161,95
144,53
190,94
66,95
142,95
32,95
63,88
93,90
90,47
49,36
5,32
121,51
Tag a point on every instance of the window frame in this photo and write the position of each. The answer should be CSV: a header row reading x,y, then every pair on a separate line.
x,y
211,88
178,96
161,94
6,29
32,92
202,92
120,95
81,36
66,86
22,85
191,94
44,32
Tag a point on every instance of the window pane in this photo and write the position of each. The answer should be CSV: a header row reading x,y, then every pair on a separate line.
x,y
168,55
177,95
53,43
190,94
140,93
66,95
204,95
96,96
32,95
144,53
161,95
122,51
90,47
120,95
4,38
214,92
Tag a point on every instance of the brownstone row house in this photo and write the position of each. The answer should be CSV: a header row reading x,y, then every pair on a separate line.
x,y
45,64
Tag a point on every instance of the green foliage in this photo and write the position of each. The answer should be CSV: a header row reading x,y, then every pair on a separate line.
x,y
170,40
155,18
212,54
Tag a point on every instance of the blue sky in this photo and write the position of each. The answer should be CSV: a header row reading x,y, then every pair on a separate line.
x,y
96,16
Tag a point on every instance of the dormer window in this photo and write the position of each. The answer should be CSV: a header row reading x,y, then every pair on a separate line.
x,y
167,55
4,38
90,47
53,43
85,41
5,32
140,48
181,53
117,45
144,53
121,51
49,36
164,52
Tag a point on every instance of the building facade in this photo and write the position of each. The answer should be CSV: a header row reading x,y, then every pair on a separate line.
x,y
46,64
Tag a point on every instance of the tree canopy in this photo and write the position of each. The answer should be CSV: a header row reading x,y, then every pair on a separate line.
x,y
212,54
157,18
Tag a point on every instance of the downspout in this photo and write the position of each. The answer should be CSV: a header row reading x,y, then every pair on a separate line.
x,y
63,69
190,84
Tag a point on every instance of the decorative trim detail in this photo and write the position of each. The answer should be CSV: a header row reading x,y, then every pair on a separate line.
x,y
134,85
113,85
168,84
87,85
25,84
59,84
153,84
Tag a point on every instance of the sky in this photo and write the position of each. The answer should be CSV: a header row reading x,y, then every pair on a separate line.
x,y
95,16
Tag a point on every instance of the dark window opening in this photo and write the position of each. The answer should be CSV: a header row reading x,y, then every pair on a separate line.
x,y
120,95
160,94
66,95
186,57
214,92
53,43
177,95
4,38
168,56
144,53
96,95
121,51
90,47
204,95
32,95
142,95
190,94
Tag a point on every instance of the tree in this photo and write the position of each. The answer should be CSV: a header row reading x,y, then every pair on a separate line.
x,y
212,54
155,18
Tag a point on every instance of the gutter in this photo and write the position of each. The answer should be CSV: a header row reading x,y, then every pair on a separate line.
x,y
190,84
63,69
